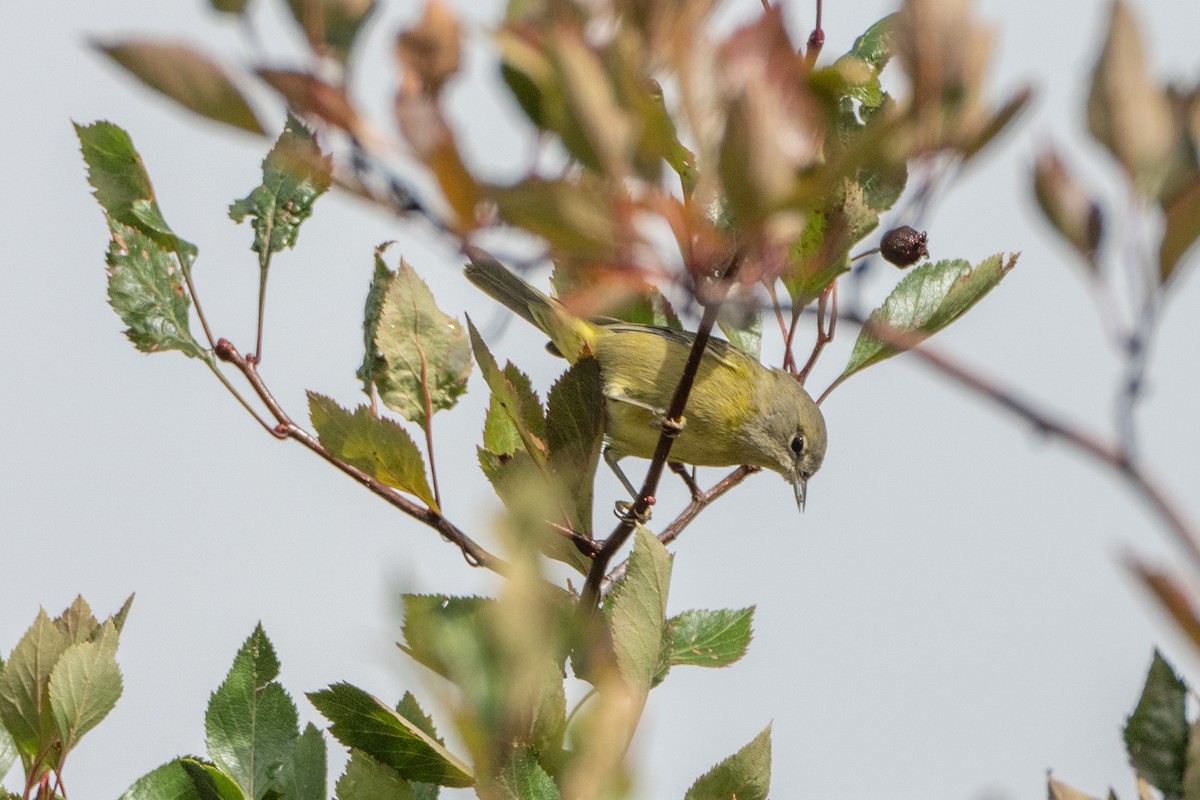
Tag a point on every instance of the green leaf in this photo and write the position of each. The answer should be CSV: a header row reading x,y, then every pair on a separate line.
x,y
821,253
742,327
639,618
745,775
1156,734
364,722
188,77
168,782
439,631
251,724
523,778
367,779
410,709
378,447
425,356
875,45
710,638
372,361
295,174
24,706
122,186
209,782
148,294
304,773
8,752
77,623
512,391
574,433
85,685
928,299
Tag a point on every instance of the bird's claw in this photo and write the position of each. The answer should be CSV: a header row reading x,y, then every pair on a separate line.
x,y
624,512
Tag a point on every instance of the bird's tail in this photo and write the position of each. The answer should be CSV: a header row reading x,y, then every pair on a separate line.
x,y
567,332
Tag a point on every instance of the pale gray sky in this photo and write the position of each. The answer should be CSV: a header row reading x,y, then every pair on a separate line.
x,y
948,619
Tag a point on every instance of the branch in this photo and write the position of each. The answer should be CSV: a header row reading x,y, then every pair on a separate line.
x,y
700,501
474,553
641,505
1115,456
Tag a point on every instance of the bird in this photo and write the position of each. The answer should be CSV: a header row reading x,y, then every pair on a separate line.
x,y
738,412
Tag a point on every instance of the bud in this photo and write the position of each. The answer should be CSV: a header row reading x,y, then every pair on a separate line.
x,y
904,246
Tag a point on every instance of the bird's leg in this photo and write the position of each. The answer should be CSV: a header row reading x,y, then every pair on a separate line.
x,y
624,509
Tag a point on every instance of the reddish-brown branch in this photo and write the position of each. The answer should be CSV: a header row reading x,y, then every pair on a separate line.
x,y
590,595
285,428
1114,456
700,501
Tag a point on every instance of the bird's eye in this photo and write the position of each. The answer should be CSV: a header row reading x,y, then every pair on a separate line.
x,y
798,444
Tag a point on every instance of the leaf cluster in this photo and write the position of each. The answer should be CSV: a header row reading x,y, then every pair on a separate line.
x,y
59,682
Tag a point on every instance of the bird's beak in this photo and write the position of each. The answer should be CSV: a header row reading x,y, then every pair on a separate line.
x,y
800,485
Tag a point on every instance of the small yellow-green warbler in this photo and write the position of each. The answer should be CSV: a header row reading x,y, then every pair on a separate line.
x,y
738,412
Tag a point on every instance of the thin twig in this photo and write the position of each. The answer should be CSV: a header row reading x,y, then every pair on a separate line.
x,y
700,501
641,505
826,310
1112,455
474,553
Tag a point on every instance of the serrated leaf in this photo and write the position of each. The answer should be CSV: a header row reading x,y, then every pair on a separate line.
x,y
710,638
438,629
929,298
188,77
85,685
367,779
168,782
251,724
538,501
8,752
24,706
77,623
425,356
209,782
745,775
146,290
372,361
410,709
639,617
574,433
304,773
364,722
378,447
122,186
295,173
821,253
515,396
1156,734
523,778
